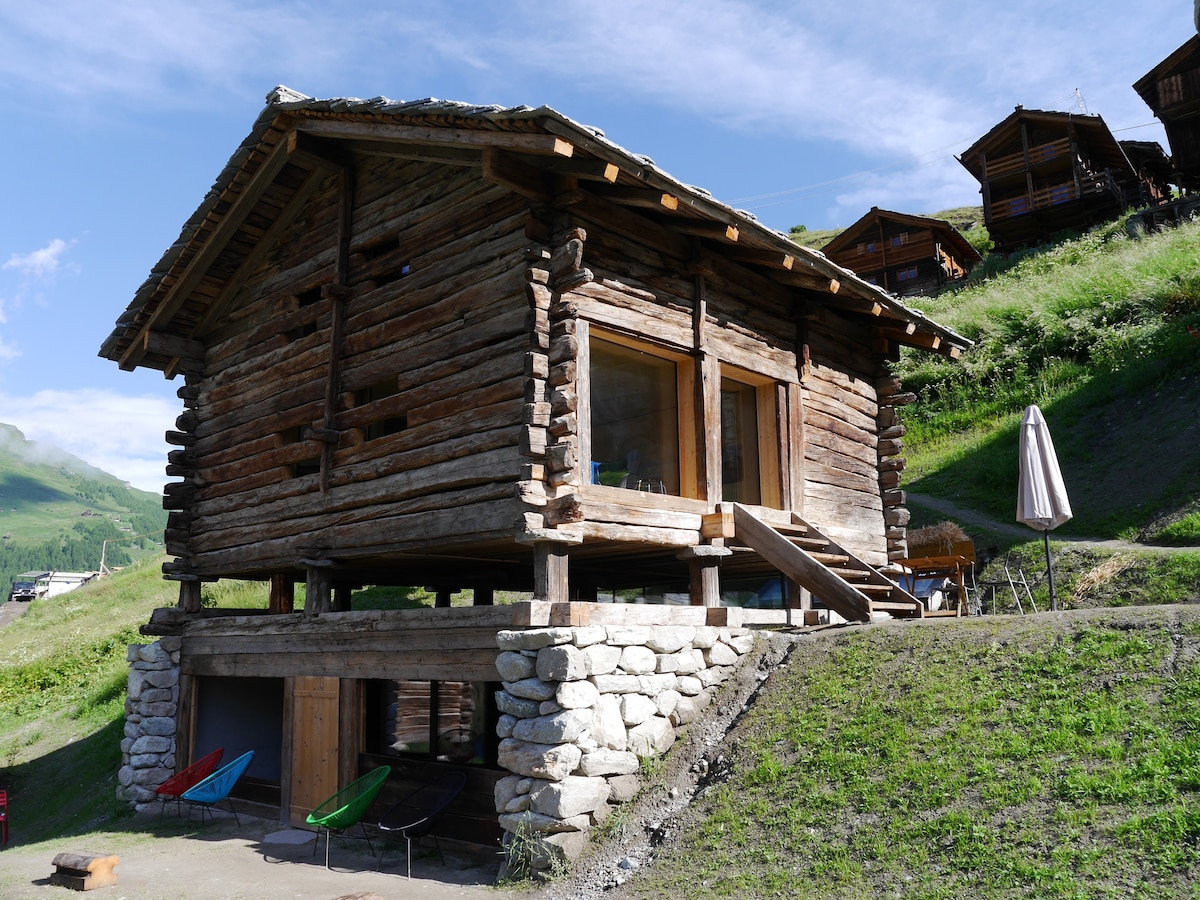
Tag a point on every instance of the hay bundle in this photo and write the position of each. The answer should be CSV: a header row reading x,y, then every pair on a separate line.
x,y
936,540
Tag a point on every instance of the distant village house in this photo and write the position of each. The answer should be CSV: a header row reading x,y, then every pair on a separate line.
x,y
902,253
1042,173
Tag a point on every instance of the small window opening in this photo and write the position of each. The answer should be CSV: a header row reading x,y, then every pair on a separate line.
x,y
306,467
308,298
385,426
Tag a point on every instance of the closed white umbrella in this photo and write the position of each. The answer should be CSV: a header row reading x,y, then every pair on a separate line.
x,y
1042,501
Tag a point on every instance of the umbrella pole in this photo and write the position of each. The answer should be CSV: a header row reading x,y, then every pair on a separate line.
x,y
1050,572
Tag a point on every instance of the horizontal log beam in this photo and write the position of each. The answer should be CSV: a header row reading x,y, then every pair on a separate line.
x,y
391,133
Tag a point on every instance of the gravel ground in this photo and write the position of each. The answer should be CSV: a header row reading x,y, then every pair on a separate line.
x,y
221,860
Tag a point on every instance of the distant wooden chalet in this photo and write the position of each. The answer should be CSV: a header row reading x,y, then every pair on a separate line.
x,y
903,254
1041,173
469,347
1172,91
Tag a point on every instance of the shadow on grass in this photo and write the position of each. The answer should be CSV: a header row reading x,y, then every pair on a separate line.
x,y
1128,450
69,790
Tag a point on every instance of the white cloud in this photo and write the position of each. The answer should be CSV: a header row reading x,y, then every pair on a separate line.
x,y
121,434
40,264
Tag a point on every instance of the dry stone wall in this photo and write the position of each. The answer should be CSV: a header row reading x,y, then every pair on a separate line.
x,y
151,702
580,708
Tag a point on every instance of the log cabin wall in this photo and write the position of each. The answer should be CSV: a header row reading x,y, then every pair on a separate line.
x,y
842,490
430,321
726,319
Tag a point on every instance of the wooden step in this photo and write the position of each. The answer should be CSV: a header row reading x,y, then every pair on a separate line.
x,y
894,604
793,530
883,589
832,560
852,575
810,543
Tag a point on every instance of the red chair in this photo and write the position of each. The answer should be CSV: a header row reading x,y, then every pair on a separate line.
x,y
3,818
177,785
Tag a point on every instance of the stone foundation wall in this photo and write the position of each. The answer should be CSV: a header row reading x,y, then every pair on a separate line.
x,y
148,749
581,706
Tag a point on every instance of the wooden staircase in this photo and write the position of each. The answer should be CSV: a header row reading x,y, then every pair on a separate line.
x,y
841,580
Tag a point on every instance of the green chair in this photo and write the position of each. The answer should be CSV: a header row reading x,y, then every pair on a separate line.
x,y
346,808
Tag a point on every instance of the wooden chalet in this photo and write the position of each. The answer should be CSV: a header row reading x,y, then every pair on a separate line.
x,y
903,254
1172,91
1041,173
469,347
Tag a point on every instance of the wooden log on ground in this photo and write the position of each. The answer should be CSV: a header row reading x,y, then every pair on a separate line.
x,y
83,871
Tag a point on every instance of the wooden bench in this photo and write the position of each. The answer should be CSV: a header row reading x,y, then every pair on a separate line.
x,y
84,871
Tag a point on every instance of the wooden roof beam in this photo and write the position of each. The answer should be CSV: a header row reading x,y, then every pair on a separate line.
x,y
442,155
224,229
650,230
584,169
317,152
796,277
714,231
509,171
924,339
541,144
769,259
646,198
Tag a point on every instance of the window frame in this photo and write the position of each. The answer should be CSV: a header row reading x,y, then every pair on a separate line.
x,y
685,390
770,450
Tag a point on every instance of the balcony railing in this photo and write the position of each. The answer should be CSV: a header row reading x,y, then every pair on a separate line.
x,y
1015,162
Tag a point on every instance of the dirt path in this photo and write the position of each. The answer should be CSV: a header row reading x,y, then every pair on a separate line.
x,y
1015,529
256,859
11,610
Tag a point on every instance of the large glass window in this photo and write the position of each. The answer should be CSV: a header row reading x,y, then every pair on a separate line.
x,y
443,720
634,419
740,481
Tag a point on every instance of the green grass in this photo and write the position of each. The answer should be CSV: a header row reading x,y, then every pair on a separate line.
x,y
994,757
63,674
1095,332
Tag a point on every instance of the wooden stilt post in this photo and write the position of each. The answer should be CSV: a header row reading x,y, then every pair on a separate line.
x,y
317,588
189,595
550,572
282,598
704,562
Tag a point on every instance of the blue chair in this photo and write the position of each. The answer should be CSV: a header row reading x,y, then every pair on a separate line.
x,y
174,787
216,787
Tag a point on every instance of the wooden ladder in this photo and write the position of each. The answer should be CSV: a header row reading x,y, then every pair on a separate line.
x,y
842,581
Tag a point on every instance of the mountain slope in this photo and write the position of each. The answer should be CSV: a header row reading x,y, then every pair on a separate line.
x,y
56,512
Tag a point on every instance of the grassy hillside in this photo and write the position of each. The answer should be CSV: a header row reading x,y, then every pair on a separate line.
x,y
1096,332
63,674
996,757
56,511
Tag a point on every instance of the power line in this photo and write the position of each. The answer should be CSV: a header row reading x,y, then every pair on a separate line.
x,y
851,177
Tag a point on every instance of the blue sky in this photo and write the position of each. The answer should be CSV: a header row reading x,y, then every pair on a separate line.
x,y
118,116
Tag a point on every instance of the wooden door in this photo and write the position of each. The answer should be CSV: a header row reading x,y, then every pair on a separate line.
x,y
314,777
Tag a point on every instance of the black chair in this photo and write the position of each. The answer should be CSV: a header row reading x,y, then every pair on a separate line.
x,y
416,814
